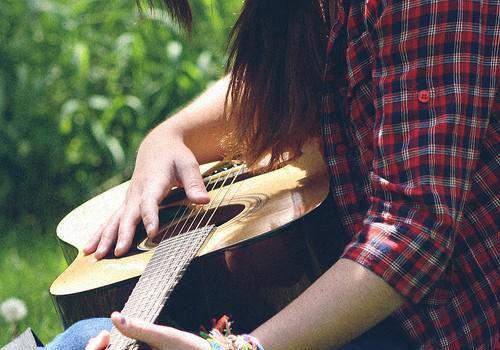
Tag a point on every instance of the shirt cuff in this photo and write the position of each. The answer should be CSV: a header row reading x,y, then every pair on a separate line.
x,y
405,257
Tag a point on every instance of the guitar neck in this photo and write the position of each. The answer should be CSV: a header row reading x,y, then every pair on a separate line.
x,y
166,267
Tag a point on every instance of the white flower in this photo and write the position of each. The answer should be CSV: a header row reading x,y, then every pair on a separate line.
x,y
174,50
13,310
205,62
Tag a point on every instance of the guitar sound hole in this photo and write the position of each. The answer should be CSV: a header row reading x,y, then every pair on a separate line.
x,y
187,220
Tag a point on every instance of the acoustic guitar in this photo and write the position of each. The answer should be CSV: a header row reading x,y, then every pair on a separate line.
x,y
263,238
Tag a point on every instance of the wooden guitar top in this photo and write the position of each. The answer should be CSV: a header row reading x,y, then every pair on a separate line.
x,y
271,200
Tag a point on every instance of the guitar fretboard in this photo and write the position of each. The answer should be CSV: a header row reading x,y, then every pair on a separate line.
x,y
166,267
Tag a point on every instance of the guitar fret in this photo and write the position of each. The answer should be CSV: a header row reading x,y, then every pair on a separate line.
x,y
164,270
168,287
166,290
153,301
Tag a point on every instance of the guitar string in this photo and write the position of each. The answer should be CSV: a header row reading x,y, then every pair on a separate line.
x,y
172,232
150,314
138,297
200,207
208,209
180,220
186,257
230,172
234,194
193,208
154,265
130,343
229,187
240,168
179,247
165,231
183,240
213,201
182,259
150,302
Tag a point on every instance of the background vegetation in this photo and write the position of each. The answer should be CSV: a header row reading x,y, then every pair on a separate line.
x,y
81,82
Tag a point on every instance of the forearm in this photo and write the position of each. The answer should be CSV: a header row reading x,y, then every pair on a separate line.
x,y
342,304
200,125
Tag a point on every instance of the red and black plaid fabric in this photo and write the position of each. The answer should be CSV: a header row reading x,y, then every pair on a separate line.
x,y
412,141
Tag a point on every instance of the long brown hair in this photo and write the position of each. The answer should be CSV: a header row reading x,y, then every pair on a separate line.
x,y
276,58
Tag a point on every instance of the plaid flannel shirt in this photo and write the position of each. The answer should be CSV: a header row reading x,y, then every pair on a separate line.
x,y
411,136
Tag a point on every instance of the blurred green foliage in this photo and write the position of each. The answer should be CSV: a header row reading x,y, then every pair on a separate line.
x,y
81,83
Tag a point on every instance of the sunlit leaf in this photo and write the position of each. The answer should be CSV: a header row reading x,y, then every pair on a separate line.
x,y
110,143
81,59
133,102
174,50
99,102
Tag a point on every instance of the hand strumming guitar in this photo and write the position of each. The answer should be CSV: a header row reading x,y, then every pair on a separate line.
x,y
169,156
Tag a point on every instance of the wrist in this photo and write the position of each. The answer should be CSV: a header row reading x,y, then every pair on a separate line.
x,y
163,135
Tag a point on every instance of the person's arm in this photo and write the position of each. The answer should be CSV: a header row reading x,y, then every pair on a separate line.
x,y
343,303
200,125
169,156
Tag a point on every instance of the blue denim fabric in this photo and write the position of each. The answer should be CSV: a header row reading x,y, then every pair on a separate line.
x,y
77,336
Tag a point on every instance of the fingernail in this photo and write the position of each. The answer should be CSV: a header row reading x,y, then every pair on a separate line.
x,y
149,228
123,321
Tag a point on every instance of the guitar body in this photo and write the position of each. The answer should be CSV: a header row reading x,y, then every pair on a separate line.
x,y
275,233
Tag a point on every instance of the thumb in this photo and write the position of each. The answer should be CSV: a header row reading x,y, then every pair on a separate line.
x,y
188,173
158,337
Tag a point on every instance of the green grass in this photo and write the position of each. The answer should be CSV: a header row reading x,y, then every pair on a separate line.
x,y
29,261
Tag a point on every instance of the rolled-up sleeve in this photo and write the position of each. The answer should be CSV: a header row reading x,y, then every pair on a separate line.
x,y
434,79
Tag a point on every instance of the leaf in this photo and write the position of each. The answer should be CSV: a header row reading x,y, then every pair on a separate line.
x,y
134,102
81,59
174,50
110,142
99,102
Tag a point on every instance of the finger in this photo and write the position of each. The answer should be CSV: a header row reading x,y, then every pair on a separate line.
x,y
99,342
93,242
188,173
126,231
149,205
149,214
158,336
110,224
108,236
96,237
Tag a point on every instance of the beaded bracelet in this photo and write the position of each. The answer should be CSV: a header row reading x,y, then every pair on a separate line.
x,y
220,338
